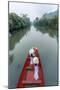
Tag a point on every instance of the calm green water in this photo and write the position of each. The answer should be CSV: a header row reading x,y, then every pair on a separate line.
x,y
20,43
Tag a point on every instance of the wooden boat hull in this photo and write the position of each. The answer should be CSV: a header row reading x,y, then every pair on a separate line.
x,y
26,78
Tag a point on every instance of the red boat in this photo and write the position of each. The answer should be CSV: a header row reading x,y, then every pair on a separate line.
x,y
26,78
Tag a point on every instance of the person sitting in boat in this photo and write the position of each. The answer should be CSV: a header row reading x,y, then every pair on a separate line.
x,y
32,55
36,68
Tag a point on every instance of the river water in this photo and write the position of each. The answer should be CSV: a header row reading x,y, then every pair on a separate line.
x,y
20,43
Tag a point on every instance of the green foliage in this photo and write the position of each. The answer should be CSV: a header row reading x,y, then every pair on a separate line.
x,y
50,23
18,22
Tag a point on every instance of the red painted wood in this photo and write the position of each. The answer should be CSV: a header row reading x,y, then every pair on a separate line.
x,y
27,78
32,82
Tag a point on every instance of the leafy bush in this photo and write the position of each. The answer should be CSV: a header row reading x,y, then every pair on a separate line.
x,y
18,22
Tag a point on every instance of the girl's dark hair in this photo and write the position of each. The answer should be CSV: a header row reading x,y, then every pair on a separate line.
x,y
32,55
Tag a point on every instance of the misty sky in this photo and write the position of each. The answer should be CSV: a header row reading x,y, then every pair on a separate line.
x,y
33,10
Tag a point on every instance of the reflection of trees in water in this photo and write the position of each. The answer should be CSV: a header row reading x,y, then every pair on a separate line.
x,y
16,37
10,59
13,40
51,32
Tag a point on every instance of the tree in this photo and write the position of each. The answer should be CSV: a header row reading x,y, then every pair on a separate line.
x,y
18,22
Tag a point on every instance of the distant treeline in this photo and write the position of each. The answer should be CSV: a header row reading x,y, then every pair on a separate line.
x,y
18,22
21,22
51,23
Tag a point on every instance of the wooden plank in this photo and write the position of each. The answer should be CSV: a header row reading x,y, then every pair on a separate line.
x,y
32,82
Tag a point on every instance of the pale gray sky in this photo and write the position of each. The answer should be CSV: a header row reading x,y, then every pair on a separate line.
x,y
33,10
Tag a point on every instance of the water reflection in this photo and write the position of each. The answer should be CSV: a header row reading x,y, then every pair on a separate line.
x,y
52,32
13,40
16,37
